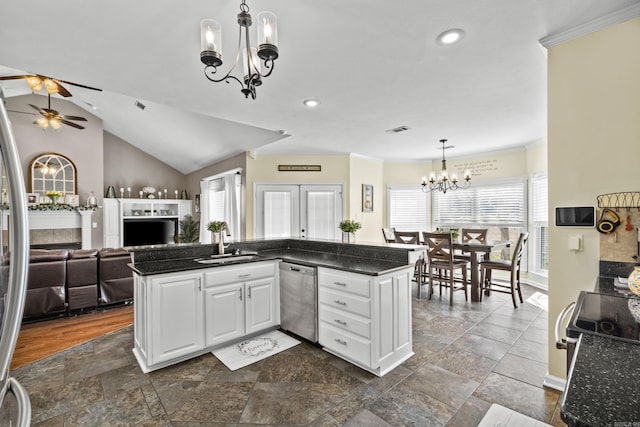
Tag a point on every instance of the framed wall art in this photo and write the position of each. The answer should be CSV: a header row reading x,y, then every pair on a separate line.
x,y
72,200
367,198
33,199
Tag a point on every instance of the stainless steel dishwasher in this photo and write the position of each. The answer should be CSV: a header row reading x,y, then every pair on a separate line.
x,y
299,300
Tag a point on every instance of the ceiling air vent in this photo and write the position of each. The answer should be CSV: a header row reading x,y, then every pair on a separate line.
x,y
398,129
140,105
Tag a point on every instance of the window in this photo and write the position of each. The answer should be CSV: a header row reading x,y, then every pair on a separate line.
x,y
539,224
497,205
220,200
407,208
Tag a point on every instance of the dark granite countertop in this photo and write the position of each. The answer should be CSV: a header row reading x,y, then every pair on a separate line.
x,y
354,264
603,384
148,268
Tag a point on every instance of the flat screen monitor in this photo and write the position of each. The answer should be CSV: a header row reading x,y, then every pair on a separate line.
x,y
576,216
157,231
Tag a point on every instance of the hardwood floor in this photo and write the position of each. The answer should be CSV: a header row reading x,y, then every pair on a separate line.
x,y
41,339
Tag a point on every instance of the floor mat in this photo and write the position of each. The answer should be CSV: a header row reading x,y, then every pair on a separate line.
x,y
241,354
498,415
539,300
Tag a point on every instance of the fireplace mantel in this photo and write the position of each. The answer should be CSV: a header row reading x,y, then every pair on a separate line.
x,y
47,220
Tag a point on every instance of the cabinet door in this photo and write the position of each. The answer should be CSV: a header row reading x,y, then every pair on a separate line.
x,y
261,305
176,316
111,226
224,312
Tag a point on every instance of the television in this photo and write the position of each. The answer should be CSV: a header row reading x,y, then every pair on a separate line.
x,y
149,231
576,216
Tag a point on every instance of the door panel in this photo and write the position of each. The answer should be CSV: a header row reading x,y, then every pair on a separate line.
x,y
300,211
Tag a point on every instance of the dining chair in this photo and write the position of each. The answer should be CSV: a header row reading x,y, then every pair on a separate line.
x,y
467,234
408,237
442,266
389,235
420,275
488,283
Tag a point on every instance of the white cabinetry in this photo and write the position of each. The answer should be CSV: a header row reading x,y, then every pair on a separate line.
x,y
366,319
181,315
240,301
115,211
168,317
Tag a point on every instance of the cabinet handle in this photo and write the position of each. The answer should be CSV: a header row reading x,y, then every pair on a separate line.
x,y
339,341
339,283
249,296
340,322
240,294
337,301
199,283
244,276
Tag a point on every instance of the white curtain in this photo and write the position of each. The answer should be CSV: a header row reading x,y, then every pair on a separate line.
x,y
232,204
205,235
211,190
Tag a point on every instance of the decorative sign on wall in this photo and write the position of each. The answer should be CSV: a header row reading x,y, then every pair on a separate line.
x,y
299,168
477,168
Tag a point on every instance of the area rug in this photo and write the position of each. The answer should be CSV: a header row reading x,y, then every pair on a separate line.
x,y
241,354
498,415
539,300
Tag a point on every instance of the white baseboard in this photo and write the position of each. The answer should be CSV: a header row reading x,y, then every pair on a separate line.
x,y
555,383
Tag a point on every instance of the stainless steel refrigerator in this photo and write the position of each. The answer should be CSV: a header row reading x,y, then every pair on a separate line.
x,y
15,407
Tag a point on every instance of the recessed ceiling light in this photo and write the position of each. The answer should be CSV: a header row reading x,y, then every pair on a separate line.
x,y
450,37
311,103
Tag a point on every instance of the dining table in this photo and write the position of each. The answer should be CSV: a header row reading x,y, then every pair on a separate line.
x,y
475,247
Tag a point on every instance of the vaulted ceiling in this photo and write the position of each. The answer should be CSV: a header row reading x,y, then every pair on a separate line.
x,y
373,65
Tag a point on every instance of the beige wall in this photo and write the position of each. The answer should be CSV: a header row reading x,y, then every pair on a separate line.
x,y
363,170
130,167
82,146
593,148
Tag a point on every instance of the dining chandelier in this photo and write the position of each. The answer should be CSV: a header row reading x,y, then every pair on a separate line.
x,y
443,182
254,71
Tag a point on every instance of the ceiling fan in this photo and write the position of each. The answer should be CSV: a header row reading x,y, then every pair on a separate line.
x,y
53,118
37,81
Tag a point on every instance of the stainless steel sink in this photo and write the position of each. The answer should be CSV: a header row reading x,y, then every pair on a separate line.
x,y
224,259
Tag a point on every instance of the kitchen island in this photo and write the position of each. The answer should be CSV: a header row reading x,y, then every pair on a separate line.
x,y
188,300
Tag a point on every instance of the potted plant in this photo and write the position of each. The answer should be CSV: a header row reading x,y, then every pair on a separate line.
x,y
348,228
216,227
189,230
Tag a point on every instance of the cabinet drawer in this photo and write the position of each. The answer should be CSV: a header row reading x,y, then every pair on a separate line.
x,y
238,273
346,321
344,301
342,281
347,345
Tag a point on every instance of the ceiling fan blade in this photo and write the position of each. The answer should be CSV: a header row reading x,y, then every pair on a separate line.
x,y
61,90
13,77
82,119
38,109
79,85
68,123
22,112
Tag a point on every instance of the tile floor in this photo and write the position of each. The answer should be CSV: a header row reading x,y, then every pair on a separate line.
x,y
467,357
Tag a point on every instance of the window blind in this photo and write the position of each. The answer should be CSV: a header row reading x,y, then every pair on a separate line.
x,y
501,203
408,209
539,199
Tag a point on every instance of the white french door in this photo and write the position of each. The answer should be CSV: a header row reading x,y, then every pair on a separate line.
x,y
311,211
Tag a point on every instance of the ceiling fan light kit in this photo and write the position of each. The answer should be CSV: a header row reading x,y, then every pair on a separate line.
x,y
54,119
253,70
443,182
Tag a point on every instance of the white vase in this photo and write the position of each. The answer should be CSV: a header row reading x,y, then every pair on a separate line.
x,y
348,237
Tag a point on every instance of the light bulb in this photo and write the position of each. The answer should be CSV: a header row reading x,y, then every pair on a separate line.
x,y
55,123
34,83
43,122
52,87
